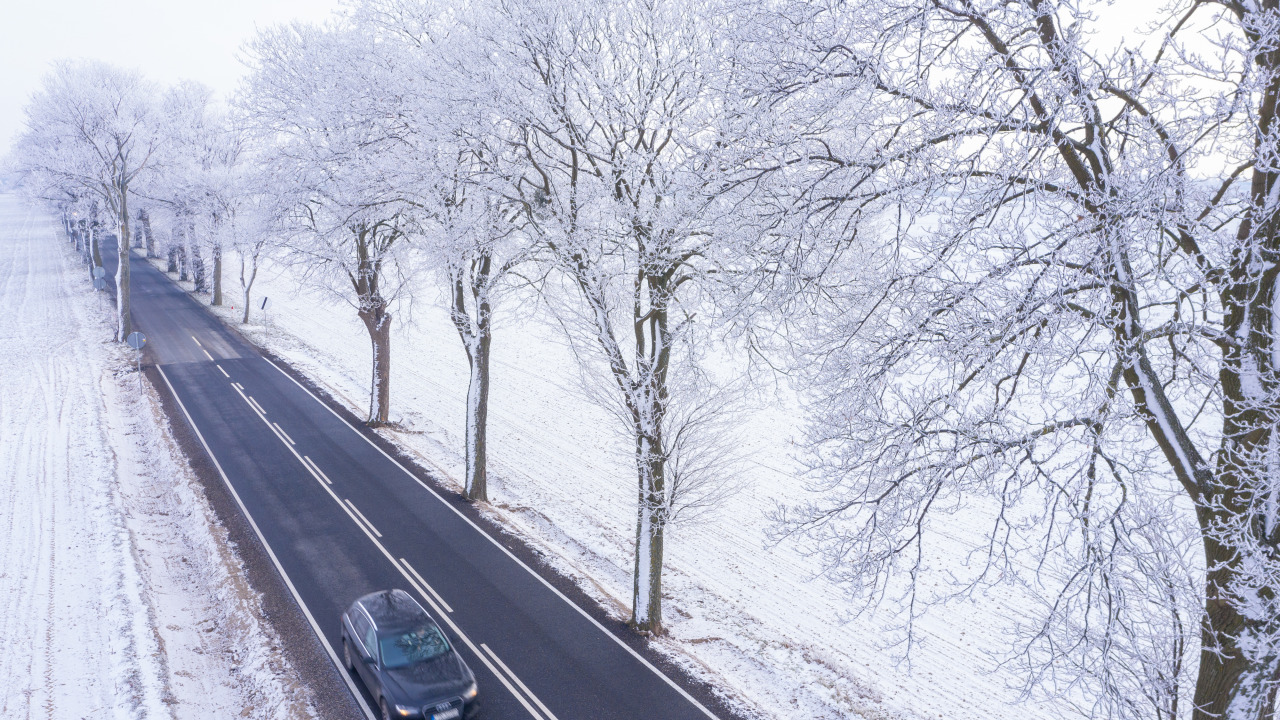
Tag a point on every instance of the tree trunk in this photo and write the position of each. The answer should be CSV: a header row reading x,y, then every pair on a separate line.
x,y
217,275
173,259
653,360
378,322
1239,662
651,522
199,271
95,252
247,285
124,320
475,334
183,263
144,219
1239,659
1222,672
478,414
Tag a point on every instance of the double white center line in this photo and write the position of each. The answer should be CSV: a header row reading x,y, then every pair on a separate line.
x,y
206,353
285,434
509,679
316,469
356,510
256,406
424,584
545,712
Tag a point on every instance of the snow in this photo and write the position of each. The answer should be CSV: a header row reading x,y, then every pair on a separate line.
x,y
120,596
745,614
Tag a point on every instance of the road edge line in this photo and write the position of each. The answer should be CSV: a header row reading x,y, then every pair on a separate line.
x,y
684,693
315,627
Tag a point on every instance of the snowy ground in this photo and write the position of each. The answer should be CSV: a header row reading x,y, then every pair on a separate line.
x,y
742,613
119,594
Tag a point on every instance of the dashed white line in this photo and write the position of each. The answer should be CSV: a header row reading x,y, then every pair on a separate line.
x,y
430,589
640,658
499,670
197,342
206,354
240,389
317,469
367,528
285,434
250,401
224,372
516,679
362,517
315,627
467,641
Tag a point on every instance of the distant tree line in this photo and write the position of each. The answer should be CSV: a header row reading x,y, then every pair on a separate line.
x,y
1018,276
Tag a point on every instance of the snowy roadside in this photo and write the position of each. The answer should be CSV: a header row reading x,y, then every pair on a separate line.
x,y
744,615
120,595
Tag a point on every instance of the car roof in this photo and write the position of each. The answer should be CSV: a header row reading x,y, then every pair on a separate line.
x,y
393,610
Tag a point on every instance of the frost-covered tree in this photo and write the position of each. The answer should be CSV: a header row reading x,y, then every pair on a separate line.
x,y
317,97
254,223
148,237
462,185
477,245
1046,265
630,139
94,128
201,180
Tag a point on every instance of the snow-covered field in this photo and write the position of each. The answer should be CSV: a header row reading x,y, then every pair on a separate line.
x,y
743,613
119,594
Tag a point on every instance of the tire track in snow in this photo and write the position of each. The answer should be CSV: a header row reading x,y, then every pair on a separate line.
x,y
117,585
65,562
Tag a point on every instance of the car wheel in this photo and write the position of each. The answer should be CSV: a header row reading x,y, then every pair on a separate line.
x,y
385,714
346,655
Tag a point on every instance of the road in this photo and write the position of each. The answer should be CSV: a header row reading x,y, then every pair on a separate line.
x,y
340,517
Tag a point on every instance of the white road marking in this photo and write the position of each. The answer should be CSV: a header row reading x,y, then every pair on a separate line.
x,y
253,405
430,589
197,342
273,427
475,650
362,517
316,468
315,627
507,670
206,354
224,372
683,693
348,508
285,434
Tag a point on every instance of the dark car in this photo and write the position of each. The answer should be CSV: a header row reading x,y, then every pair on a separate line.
x,y
405,660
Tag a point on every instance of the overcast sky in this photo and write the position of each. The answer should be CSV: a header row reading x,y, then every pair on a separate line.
x,y
171,40
168,40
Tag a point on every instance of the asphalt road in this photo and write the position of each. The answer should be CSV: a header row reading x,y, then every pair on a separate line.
x,y
340,517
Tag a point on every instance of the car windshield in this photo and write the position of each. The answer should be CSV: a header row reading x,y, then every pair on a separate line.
x,y
412,647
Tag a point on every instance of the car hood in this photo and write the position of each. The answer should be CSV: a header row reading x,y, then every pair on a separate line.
x,y
436,679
